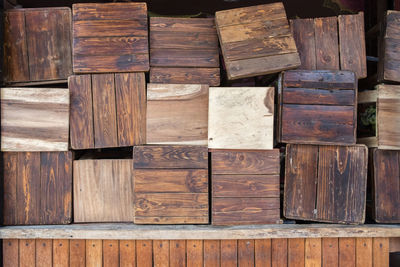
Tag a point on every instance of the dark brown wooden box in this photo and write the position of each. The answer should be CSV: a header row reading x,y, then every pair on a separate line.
x,y
245,187
317,107
37,45
385,178
37,188
107,110
184,51
326,183
170,184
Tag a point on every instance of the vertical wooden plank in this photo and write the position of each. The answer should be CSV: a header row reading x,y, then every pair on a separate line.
x,y
127,253
347,252
380,252
194,253
27,251
296,252
110,253
104,112
44,252
246,253
229,253
326,43
94,253
364,252
10,252
81,112
313,252
212,254
279,252
304,36
10,188
64,188
161,253
262,251
330,252
61,253
77,253
144,251
177,252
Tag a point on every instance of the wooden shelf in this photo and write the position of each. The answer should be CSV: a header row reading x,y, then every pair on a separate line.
x,y
127,231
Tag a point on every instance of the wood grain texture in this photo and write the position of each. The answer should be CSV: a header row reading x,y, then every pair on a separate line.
x,y
177,252
27,253
110,37
304,36
194,253
176,75
262,252
380,254
61,252
94,253
296,252
313,252
161,250
98,185
177,114
127,253
144,253
77,253
330,252
111,253
212,253
10,252
326,43
246,253
229,253
347,252
10,163
34,119
240,118
279,252
44,253
364,252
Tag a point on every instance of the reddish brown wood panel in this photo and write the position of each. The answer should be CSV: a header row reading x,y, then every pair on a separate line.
x,y
326,43
304,36
174,75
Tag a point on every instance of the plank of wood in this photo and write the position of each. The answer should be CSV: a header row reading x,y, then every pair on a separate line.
x,y
240,118
296,252
161,253
9,160
177,252
111,63
347,252
212,253
326,43
175,24
387,116
94,253
312,252
107,28
61,253
111,253
189,40
171,75
394,244
321,79
246,253
77,253
304,36
279,249
364,252
109,11
171,157
306,96
183,58
34,119
10,252
194,253
171,220
144,253
27,253
127,253
380,250
262,252
330,252
229,253
177,114
44,253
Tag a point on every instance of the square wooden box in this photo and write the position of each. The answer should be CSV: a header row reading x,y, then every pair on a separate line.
x,y
326,183
170,184
245,187
317,107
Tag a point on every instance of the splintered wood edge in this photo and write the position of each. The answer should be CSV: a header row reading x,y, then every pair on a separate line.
x,y
130,231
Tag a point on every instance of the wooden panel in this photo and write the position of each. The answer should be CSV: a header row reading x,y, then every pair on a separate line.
x,y
321,79
347,252
127,251
27,253
144,253
61,253
111,253
279,250
177,252
171,75
109,11
304,36
364,252
387,117
229,253
313,252
94,253
190,40
10,252
318,96
296,254
77,253
380,248
194,253
326,43
262,252
10,163
161,253
93,46
109,63
330,252
98,185
183,58
241,118
34,119
246,253
177,114
181,24
212,253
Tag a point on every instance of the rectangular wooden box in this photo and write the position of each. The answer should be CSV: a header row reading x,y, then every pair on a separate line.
x,y
37,45
177,114
317,107
385,178
256,40
103,190
110,37
245,187
37,188
379,117
332,43
326,183
34,119
170,184
107,110
184,51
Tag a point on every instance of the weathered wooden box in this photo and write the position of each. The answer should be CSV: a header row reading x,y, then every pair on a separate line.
x,y
110,37
34,119
379,117
37,188
170,184
103,190
256,40
245,187
184,51
107,110
177,114
317,107
385,178
37,45
326,183
332,43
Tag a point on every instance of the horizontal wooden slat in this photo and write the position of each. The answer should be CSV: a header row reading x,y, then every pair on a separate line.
x,y
210,76
182,24
318,96
109,11
111,63
172,220
183,58
320,79
184,40
107,28
245,186
110,45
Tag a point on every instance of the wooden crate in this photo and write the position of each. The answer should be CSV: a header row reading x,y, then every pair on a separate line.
x,y
34,119
256,40
332,43
37,188
107,110
177,114
317,107
379,117
184,51
326,183
37,45
103,190
170,184
111,37
245,187
241,118
385,178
